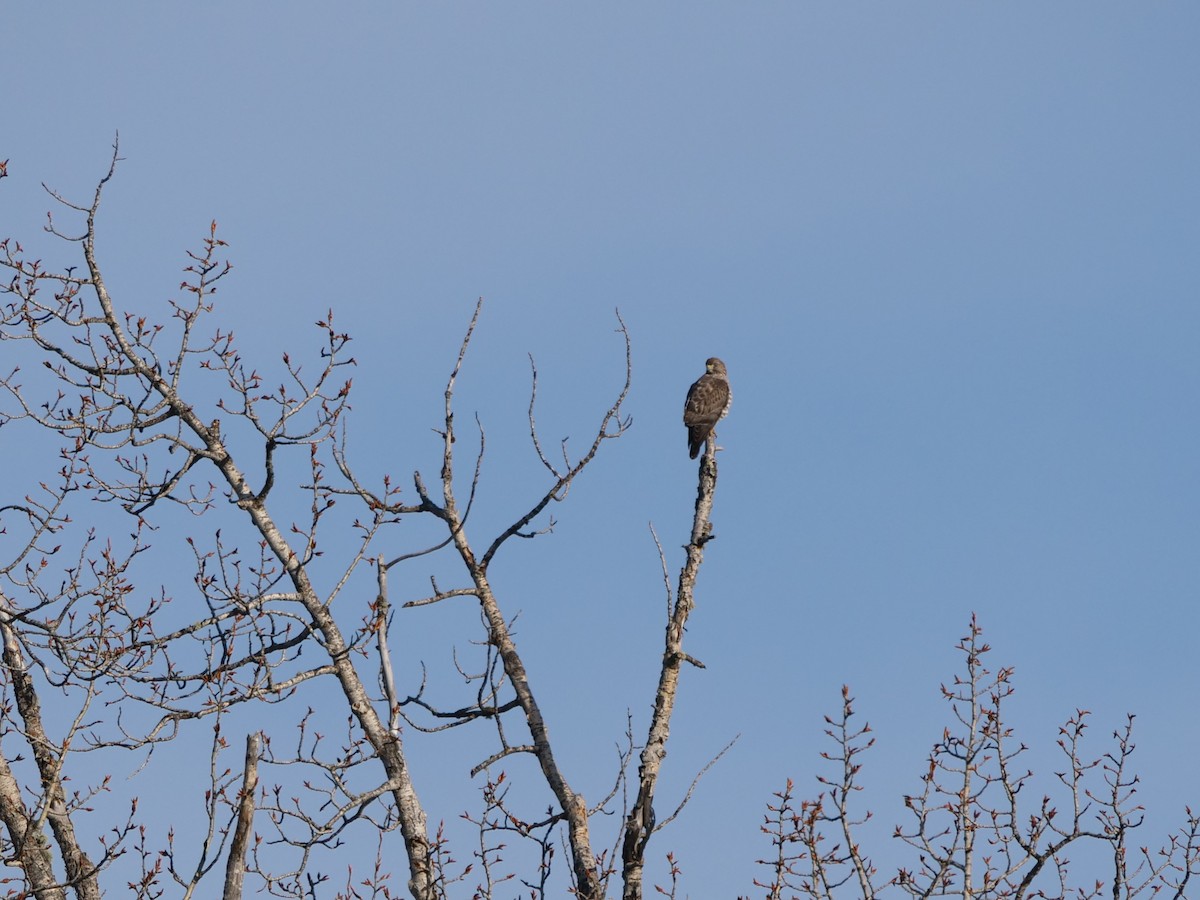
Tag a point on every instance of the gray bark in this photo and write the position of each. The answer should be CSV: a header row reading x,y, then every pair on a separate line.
x,y
639,826
235,869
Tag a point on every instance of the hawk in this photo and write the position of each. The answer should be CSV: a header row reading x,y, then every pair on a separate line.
x,y
708,401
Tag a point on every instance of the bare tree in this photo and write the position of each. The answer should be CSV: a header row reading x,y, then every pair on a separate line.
x,y
150,416
974,828
156,417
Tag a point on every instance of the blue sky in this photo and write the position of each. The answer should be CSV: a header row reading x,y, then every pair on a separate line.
x,y
948,252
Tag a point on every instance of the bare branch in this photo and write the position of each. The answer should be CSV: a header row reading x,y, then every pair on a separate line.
x,y
639,825
235,870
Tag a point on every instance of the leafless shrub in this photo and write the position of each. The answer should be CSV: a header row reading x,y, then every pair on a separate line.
x,y
974,828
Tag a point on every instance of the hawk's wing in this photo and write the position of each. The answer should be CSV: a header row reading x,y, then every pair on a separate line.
x,y
707,401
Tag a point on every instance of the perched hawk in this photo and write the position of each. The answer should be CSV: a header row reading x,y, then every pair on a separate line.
x,y
708,401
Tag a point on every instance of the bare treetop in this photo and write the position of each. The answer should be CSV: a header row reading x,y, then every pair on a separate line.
x,y
152,415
